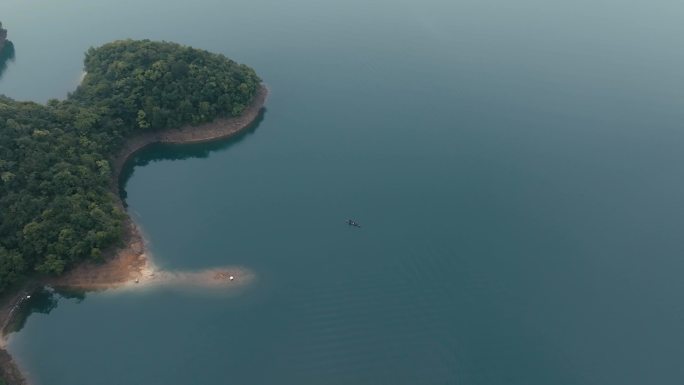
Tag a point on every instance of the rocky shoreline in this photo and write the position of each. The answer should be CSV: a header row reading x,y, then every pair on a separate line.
x,y
128,264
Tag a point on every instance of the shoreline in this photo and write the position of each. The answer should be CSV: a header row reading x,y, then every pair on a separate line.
x,y
221,128
127,265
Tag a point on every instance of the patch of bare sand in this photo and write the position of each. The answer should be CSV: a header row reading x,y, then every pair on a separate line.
x,y
216,278
132,268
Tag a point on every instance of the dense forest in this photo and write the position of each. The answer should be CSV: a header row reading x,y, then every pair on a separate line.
x,y
56,203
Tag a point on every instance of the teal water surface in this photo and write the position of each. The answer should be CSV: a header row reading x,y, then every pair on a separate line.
x,y
516,168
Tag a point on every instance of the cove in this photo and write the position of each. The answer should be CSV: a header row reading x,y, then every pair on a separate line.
x,y
516,169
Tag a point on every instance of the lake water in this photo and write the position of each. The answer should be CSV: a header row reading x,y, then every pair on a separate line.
x,y
516,168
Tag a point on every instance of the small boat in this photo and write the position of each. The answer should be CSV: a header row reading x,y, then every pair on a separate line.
x,y
353,223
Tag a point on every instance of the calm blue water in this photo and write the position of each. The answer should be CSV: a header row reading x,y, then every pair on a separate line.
x,y
516,167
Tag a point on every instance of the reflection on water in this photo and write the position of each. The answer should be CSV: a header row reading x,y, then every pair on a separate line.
x,y
7,55
43,300
160,151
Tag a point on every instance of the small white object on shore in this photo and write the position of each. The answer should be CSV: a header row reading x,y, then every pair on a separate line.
x,y
28,297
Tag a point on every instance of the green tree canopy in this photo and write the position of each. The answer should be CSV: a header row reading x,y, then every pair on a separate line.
x,y
56,204
157,85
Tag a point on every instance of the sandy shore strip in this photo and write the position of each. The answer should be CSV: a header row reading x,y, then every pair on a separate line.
x,y
130,267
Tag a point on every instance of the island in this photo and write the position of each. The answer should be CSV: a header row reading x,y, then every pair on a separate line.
x,y
3,37
62,222
6,50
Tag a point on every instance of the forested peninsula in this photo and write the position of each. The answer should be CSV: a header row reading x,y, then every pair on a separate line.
x,y
57,205
59,162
